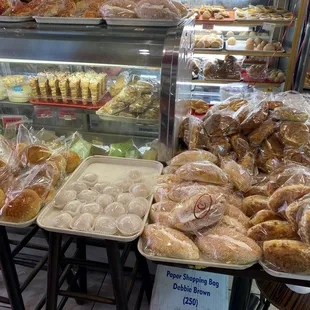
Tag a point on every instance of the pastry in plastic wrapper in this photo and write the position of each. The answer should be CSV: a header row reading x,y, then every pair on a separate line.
x,y
160,240
203,171
198,212
237,214
257,136
230,222
289,114
110,11
264,216
252,204
160,212
294,210
239,145
295,134
192,156
287,256
170,169
161,192
304,223
226,245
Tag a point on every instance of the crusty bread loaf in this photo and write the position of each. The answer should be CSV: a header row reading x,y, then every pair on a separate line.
x,y
257,190
273,230
283,196
287,255
237,214
193,156
304,225
253,204
23,207
263,216
164,241
226,245
72,161
230,222
160,212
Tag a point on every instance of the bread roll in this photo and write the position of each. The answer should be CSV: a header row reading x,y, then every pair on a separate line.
x,y
60,161
257,136
22,208
164,241
50,172
253,204
230,222
203,171
260,190
226,245
192,156
239,177
239,145
160,212
72,161
237,214
294,134
285,195
198,212
168,178
37,154
161,192
46,193
292,210
304,225
273,230
264,216
287,255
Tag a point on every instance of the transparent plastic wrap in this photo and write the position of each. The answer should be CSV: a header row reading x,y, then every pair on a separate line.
x,y
253,204
203,171
160,212
192,156
229,68
119,9
52,8
17,8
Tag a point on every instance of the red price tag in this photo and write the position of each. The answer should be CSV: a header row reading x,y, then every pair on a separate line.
x,y
6,120
67,114
44,112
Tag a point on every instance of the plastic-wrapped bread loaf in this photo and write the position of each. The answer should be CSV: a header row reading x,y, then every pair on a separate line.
x,y
226,245
287,256
304,224
230,222
192,156
263,216
252,204
237,214
160,212
164,241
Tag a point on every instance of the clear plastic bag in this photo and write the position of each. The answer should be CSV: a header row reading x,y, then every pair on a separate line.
x,y
192,156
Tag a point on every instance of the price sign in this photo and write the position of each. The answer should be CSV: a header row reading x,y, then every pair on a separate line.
x,y
67,114
10,119
44,112
269,26
178,288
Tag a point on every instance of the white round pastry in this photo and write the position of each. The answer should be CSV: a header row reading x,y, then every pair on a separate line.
x,y
134,175
112,190
62,220
83,222
123,184
92,208
87,195
129,224
125,198
140,190
100,186
104,200
105,224
72,207
90,179
62,198
78,186
231,41
115,209
138,206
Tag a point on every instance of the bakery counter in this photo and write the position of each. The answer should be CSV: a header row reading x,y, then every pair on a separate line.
x,y
241,53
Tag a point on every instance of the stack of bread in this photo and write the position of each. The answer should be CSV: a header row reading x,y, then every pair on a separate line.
x,y
30,173
244,193
132,97
208,39
63,87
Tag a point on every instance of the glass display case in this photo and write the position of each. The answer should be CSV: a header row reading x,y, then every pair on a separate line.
x,y
120,87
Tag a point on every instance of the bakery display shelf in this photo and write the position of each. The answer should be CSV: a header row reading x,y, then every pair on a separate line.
x,y
107,168
8,104
246,22
253,83
287,54
129,120
189,262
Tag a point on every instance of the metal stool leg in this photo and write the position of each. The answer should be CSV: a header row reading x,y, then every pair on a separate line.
x,y
53,270
117,275
81,245
9,272
240,293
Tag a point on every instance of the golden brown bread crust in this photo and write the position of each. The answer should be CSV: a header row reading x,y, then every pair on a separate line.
x,y
304,226
73,160
60,161
237,214
253,204
2,198
160,212
233,223
23,207
36,154
263,216
287,255
164,241
192,156
260,190
257,136
273,230
45,193
294,134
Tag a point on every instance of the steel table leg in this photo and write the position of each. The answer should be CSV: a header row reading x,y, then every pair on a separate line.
x,y
240,293
81,245
117,275
53,270
9,272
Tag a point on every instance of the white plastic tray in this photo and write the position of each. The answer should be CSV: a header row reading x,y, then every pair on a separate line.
x,y
240,47
139,22
15,19
107,168
68,20
190,262
280,274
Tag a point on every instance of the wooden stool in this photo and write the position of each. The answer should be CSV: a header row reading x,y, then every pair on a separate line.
x,y
282,297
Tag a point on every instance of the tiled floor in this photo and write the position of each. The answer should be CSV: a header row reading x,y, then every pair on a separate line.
x,y
98,283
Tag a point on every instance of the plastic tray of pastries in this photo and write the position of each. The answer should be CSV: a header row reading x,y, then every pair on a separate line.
x,y
107,169
190,262
68,20
15,19
240,46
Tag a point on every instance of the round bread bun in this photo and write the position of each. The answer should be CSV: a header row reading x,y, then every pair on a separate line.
x,y
73,160
215,44
230,33
252,33
259,47
60,162
231,41
51,172
45,194
24,207
199,44
257,41
206,15
249,41
37,154
249,47
269,47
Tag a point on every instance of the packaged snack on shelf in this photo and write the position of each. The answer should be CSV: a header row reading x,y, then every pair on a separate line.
x,y
126,149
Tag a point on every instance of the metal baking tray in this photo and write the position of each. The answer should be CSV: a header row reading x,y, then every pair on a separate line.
x,y
240,47
107,168
129,119
280,274
15,19
68,20
190,262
